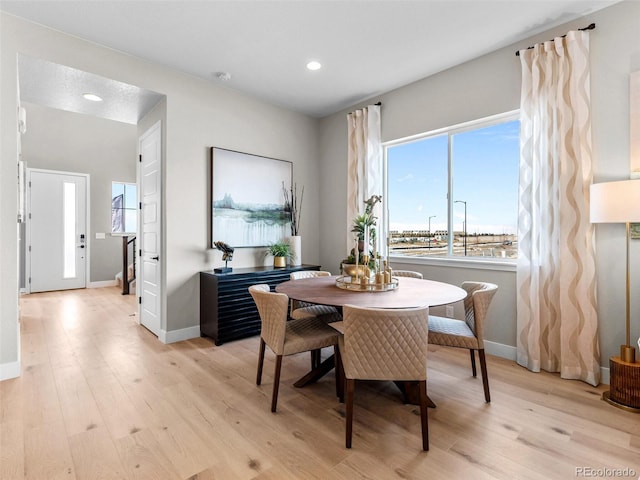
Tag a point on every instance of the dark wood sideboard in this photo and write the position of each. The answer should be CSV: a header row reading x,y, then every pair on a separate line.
x,y
227,311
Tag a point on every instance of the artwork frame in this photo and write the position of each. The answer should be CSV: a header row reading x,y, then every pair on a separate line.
x,y
247,201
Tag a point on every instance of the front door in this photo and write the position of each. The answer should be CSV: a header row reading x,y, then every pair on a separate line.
x,y
57,242
150,227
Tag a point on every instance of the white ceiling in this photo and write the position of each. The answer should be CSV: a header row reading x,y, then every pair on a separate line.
x,y
58,86
366,47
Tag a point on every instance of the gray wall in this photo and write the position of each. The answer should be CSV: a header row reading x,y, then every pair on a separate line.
x,y
198,114
489,85
106,150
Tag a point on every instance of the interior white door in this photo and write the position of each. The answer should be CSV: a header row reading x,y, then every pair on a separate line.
x,y
57,243
150,229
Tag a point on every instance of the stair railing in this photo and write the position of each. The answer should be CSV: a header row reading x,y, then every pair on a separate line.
x,y
126,281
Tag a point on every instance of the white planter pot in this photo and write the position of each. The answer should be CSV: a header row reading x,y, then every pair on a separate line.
x,y
296,249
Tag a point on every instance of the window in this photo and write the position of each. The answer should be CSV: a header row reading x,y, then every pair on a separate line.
x,y
454,192
69,230
123,207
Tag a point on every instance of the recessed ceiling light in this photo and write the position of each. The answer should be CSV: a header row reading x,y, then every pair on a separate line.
x,y
224,76
92,97
313,65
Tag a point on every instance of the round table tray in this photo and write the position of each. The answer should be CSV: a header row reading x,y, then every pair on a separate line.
x,y
346,283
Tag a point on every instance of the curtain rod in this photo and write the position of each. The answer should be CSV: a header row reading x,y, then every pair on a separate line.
x,y
379,104
588,27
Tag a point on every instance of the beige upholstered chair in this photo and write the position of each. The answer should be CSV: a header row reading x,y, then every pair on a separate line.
x,y
301,310
385,344
286,337
407,273
467,333
309,310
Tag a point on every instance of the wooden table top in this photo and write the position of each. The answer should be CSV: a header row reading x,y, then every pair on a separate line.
x,y
411,292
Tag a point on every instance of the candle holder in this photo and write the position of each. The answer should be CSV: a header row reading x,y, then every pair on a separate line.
x,y
364,284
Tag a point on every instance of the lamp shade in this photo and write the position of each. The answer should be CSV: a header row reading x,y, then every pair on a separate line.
x,y
615,202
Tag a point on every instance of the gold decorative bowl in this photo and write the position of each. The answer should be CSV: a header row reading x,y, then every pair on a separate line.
x,y
353,270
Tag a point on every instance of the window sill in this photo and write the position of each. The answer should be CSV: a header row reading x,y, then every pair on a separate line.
x,y
469,263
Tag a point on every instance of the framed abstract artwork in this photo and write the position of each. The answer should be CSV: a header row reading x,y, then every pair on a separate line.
x,y
247,202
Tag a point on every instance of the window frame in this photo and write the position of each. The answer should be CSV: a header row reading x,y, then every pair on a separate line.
x,y
123,234
486,263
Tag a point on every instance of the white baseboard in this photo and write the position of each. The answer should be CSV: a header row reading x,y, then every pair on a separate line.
x,y
509,352
9,370
179,335
500,350
102,284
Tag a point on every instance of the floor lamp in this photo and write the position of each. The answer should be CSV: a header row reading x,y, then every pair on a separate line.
x,y
619,202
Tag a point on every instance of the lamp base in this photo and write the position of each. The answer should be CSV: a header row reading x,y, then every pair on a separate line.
x,y
624,381
606,396
628,353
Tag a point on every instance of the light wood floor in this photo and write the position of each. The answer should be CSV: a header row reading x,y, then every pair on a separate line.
x,y
101,397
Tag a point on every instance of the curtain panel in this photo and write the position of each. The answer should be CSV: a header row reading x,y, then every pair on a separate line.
x,y
364,164
557,324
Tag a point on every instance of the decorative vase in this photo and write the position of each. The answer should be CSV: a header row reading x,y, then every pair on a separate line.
x,y
279,261
295,242
351,270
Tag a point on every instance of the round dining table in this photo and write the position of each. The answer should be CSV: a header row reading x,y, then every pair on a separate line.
x,y
409,293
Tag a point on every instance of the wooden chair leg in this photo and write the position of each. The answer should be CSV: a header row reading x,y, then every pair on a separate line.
x,y
424,420
339,374
473,361
276,383
349,407
260,362
485,376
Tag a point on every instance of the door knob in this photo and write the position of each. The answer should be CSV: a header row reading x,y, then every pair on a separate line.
x,y
155,258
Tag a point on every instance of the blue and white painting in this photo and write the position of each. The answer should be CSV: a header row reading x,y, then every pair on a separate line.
x,y
247,198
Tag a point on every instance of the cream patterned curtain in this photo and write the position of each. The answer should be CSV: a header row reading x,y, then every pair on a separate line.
x,y
364,163
557,324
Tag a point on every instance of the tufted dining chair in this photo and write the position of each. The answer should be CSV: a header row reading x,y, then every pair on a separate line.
x,y
384,344
467,333
407,273
310,310
286,337
307,310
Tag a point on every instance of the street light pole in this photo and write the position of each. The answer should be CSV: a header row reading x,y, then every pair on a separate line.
x,y
429,233
465,225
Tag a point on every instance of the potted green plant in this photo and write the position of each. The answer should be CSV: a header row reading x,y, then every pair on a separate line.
x,y
359,223
281,252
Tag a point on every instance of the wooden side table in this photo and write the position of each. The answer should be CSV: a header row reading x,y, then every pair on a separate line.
x,y
624,383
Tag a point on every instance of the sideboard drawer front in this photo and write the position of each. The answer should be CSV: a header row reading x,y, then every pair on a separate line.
x,y
227,310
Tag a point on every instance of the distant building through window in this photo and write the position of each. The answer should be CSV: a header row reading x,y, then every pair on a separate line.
x,y
124,198
462,180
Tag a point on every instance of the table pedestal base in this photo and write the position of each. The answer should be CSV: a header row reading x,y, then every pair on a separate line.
x,y
410,390
411,393
317,373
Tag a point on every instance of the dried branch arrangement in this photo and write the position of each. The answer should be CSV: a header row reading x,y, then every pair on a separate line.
x,y
293,206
